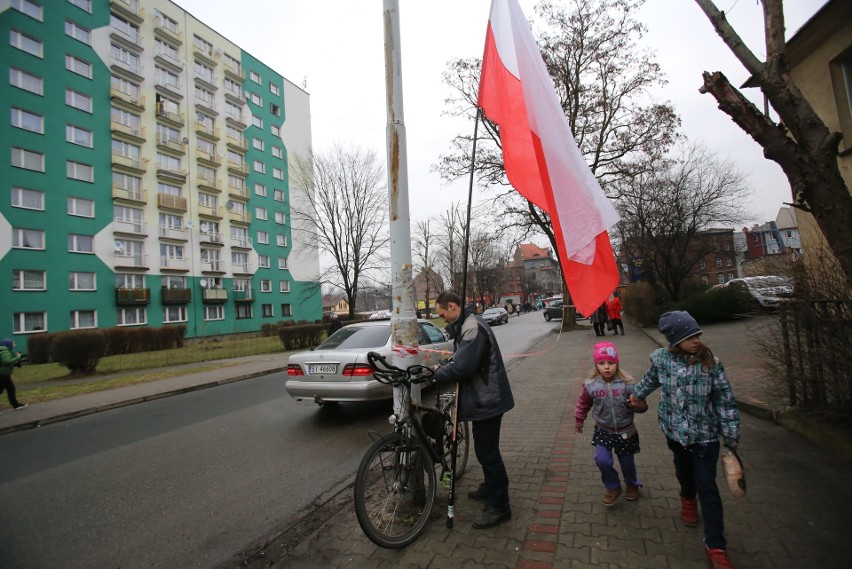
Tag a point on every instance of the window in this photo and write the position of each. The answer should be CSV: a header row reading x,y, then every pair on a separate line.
x,y
282,262
27,199
275,109
718,262
169,221
208,148
166,134
77,135
260,213
730,276
130,120
276,130
208,200
25,43
274,88
81,207
259,166
255,77
720,278
233,111
204,96
233,64
727,246
167,50
263,261
168,251
263,237
83,4
266,310
27,159
256,99
84,319
243,311
205,121
127,280
280,218
257,121
281,240
129,218
235,158
239,261
77,32
131,316
204,46
27,121
24,322
729,262
237,183
124,28
79,171
278,195
81,281
174,314
81,243
28,280
126,57
29,8
26,81
278,173
265,285
165,162
165,22
79,66
27,238
130,184
277,152
214,312
203,72
257,143
78,100
283,286
286,310
166,78
232,87
260,189
207,174
701,264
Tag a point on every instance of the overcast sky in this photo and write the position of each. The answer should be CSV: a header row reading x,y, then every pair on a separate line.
x,y
335,48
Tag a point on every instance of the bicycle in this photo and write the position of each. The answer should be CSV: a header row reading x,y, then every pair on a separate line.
x,y
396,483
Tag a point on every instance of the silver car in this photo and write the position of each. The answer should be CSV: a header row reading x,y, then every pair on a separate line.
x,y
337,369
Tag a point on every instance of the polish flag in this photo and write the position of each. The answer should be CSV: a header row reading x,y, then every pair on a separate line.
x,y
541,158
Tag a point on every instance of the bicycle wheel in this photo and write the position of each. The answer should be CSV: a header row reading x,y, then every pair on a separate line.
x,y
394,491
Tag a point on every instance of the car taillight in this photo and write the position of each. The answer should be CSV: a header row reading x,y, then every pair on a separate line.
x,y
294,369
358,370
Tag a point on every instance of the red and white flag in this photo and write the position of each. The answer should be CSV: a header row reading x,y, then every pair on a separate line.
x,y
541,158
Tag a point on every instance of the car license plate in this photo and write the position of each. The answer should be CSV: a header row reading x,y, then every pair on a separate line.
x,y
315,369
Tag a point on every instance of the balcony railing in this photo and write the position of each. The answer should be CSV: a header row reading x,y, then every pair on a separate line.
x,y
167,232
136,100
172,175
127,162
175,295
135,68
130,130
127,226
235,72
212,266
238,191
214,295
176,118
240,143
169,59
238,167
131,36
211,237
177,264
164,28
208,183
136,195
171,144
201,128
208,157
131,296
246,295
129,9
210,211
242,217
172,202
125,259
241,242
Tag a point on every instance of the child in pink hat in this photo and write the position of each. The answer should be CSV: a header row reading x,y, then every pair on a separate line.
x,y
606,393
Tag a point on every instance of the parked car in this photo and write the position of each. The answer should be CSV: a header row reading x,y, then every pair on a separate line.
x,y
769,290
495,316
380,315
553,309
337,369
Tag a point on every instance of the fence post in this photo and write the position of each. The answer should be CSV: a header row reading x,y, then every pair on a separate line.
x,y
788,355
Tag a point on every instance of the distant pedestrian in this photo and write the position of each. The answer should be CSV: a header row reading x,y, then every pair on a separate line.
x,y
697,406
613,312
8,361
599,320
606,393
335,324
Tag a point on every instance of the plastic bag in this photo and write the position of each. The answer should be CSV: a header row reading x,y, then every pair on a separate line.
x,y
734,472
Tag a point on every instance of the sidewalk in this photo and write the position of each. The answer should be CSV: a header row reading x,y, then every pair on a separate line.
x,y
795,514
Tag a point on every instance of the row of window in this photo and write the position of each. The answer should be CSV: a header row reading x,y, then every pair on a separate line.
x,y
30,322
729,262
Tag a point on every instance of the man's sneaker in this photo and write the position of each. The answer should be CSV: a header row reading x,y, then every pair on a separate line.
x,y
610,496
689,512
490,518
19,407
719,559
481,493
632,492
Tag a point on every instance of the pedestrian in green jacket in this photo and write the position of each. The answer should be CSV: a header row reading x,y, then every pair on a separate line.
x,y
8,361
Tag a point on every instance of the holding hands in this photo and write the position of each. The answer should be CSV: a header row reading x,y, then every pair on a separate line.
x,y
638,405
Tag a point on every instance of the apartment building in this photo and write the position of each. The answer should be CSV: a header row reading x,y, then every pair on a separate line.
x,y
144,175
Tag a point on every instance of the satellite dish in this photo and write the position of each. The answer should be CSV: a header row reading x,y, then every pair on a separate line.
x,y
230,204
205,226
118,246
203,282
185,140
190,224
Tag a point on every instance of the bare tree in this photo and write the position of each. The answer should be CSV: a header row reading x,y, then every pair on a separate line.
x,y
423,251
808,157
450,254
487,265
665,209
602,81
346,209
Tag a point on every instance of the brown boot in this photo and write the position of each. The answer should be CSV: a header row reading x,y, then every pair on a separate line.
x,y
632,492
610,496
689,512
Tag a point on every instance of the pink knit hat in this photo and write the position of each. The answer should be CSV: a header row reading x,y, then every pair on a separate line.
x,y
605,352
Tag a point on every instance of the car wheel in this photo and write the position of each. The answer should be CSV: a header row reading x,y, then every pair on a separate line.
x,y
547,316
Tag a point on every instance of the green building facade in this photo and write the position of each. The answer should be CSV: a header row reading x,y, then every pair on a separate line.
x,y
144,172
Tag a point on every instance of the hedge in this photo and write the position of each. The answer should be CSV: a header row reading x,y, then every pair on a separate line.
x,y
79,350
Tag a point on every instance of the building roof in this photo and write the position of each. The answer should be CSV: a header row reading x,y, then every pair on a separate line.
x,y
786,218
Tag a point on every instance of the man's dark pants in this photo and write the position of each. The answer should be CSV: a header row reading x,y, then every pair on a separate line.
x,y
486,445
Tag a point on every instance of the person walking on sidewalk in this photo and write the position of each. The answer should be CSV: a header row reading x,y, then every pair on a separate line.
x,y
697,406
613,312
484,396
599,320
606,393
8,361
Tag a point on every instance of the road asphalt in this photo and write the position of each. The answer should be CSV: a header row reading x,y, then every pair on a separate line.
x,y
795,514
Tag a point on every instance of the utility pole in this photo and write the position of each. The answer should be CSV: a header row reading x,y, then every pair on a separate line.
x,y
403,321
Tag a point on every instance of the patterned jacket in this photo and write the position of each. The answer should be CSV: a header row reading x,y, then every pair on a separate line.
x,y
607,402
696,406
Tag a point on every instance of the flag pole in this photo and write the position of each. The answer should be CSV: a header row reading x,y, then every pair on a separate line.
x,y
454,444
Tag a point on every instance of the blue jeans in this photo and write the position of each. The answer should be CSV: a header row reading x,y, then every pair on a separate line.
x,y
695,468
486,445
609,475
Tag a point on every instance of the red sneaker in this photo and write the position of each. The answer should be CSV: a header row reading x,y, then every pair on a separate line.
x,y
689,512
719,559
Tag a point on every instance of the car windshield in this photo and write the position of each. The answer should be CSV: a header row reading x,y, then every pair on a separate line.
x,y
354,337
491,312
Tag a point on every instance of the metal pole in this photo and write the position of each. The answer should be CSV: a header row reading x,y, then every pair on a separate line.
x,y
403,321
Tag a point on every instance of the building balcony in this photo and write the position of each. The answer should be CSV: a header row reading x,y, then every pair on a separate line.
x,y
236,119
208,132
242,296
169,61
234,95
207,56
209,184
210,211
170,201
214,295
137,102
235,73
237,143
138,228
131,260
169,89
174,264
214,266
129,9
241,242
130,38
239,217
175,295
212,237
172,176
242,268
181,234
166,143
238,192
132,195
136,70
205,81
137,134
207,158
176,119
132,296
164,28
139,166
239,168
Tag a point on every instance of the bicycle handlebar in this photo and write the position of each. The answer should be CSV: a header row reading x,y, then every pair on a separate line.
x,y
388,373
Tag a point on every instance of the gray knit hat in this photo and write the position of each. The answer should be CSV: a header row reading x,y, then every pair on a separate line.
x,y
677,326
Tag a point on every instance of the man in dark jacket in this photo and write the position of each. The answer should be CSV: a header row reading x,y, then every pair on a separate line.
x,y
484,396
